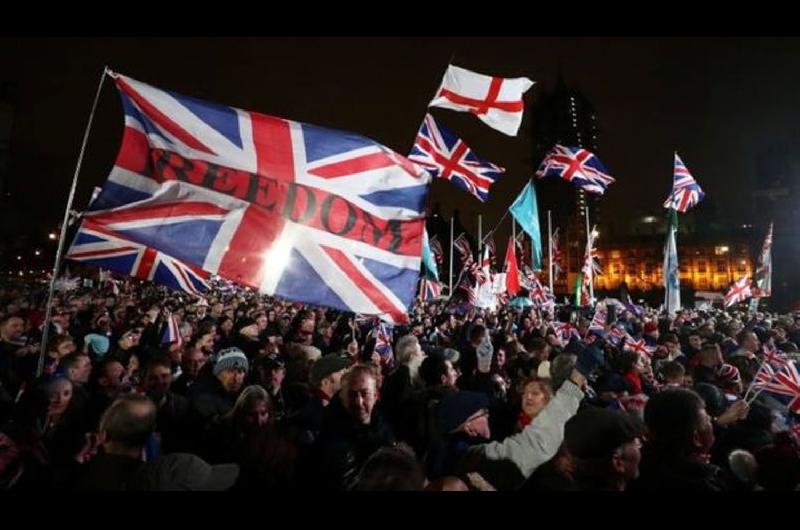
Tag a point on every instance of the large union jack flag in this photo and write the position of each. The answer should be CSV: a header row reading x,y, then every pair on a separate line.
x,y
686,193
576,165
446,156
99,246
310,214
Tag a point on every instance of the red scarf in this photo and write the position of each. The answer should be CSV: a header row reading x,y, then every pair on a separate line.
x,y
523,420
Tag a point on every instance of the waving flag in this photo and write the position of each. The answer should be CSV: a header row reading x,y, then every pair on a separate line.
x,y
739,292
489,242
96,245
576,165
461,244
310,214
616,335
590,268
773,356
556,255
446,156
525,210
436,248
171,332
598,324
467,286
565,331
638,346
686,193
782,384
496,101
763,284
383,342
429,289
429,269
511,269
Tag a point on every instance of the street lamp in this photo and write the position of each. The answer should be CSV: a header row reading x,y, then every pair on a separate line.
x,y
52,236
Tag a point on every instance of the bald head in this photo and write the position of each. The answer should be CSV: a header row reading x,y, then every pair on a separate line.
x,y
129,422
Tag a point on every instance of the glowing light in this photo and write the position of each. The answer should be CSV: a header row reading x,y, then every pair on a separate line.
x,y
38,253
52,236
276,259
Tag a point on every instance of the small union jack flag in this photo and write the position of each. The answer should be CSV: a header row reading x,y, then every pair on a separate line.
x,y
461,244
617,335
429,289
565,331
467,286
638,346
446,156
739,292
556,255
576,165
783,383
436,249
383,342
686,193
171,332
598,324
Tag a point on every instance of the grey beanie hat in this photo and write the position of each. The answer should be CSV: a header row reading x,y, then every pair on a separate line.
x,y
230,359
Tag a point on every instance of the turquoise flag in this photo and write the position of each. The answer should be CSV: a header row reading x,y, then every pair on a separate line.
x,y
429,270
526,211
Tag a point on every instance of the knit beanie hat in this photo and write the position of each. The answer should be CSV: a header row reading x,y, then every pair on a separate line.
x,y
230,359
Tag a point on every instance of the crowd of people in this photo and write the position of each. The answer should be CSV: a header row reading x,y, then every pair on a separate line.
x,y
142,388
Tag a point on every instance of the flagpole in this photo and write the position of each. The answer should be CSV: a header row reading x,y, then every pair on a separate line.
x,y
64,223
451,256
591,263
480,236
550,249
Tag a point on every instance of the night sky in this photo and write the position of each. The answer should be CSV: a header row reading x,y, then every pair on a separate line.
x,y
718,102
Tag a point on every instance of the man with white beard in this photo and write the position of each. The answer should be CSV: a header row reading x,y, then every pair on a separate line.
x,y
401,384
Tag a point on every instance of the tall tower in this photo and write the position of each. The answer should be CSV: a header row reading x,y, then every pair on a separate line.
x,y
565,116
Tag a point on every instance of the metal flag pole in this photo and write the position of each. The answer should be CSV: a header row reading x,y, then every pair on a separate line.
x,y
451,256
588,250
550,249
64,223
480,237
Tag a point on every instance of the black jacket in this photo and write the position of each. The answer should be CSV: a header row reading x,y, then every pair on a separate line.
x,y
660,472
208,399
172,422
344,445
108,473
